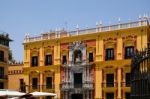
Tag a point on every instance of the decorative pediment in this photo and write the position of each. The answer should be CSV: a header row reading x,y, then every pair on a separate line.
x,y
34,52
129,40
110,42
77,45
48,50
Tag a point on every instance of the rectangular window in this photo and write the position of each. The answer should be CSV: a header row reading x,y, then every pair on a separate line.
x,y
129,51
49,97
2,72
2,56
64,59
128,79
34,60
48,60
91,57
110,54
1,85
109,95
49,82
34,83
110,80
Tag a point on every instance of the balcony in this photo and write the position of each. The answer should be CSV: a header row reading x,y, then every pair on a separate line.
x,y
88,85
71,86
4,60
82,63
48,88
109,86
66,86
32,88
126,86
3,77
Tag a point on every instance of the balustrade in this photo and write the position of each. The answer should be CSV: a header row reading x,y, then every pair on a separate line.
x,y
57,34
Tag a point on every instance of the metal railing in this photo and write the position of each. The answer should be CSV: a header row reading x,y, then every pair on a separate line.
x,y
125,84
49,88
98,28
4,77
32,88
109,84
4,60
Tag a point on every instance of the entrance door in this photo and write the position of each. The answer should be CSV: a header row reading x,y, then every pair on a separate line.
x,y
77,80
77,96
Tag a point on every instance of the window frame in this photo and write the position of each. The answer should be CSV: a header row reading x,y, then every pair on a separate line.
x,y
50,59
127,52
109,54
33,64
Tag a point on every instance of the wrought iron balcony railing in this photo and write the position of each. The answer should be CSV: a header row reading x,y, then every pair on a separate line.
x,y
47,86
5,77
4,60
31,88
125,84
109,84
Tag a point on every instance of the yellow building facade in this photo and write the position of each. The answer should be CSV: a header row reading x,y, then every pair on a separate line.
x,y
15,76
4,59
93,63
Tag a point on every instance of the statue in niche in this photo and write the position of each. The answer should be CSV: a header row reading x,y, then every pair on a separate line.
x,y
77,56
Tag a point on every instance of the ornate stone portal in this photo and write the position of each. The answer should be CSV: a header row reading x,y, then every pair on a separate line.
x,y
77,79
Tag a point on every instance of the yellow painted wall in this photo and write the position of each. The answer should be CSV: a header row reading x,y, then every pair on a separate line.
x,y
14,76
119,38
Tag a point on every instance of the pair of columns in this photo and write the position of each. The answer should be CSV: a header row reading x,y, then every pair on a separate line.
x,y
99,81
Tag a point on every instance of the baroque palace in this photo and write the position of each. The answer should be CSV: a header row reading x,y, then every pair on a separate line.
x,y
92,63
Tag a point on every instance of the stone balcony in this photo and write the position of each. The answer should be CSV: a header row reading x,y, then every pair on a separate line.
x,y
71,86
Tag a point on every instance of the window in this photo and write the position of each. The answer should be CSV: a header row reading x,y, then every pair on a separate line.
x,y
34,83
91,57
128,79
77,56
49,97
64,59
1,72
78,80
109,95
1,85
4,42
1,55
129,51
110,54
49,82
34,60
110,80
48,60
127,96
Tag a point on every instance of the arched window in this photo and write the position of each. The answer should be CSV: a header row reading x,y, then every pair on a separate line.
x,y
77,56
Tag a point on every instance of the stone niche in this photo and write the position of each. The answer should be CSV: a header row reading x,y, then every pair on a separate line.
x,y
77,52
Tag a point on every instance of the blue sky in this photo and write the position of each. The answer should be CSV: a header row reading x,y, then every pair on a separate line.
x,y
18,17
